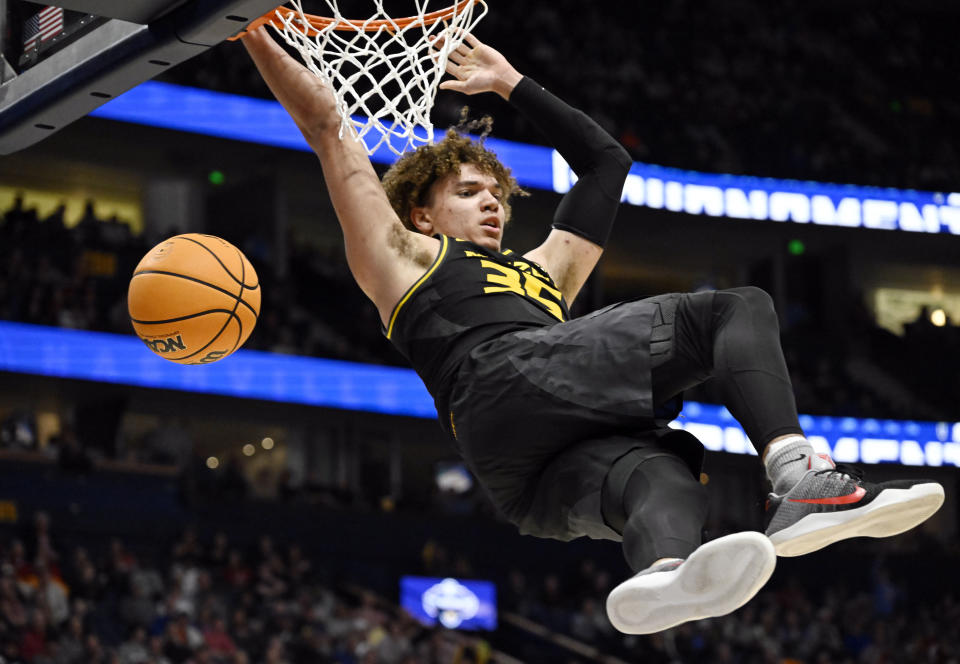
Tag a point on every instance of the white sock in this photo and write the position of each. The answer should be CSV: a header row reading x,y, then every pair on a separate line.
x,y
789,459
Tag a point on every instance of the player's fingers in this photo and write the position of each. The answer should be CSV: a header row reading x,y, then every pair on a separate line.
x,y
463,48
456,86
457,37
455,33
457,57
464,36
267,53
454,69
461,52
257,37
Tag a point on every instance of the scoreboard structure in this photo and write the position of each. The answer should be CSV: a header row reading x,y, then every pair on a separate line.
x,y
60,62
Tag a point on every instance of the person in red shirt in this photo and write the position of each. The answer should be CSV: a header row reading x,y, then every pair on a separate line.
x,y
35,638
217,639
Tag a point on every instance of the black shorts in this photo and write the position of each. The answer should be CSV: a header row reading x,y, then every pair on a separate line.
x,y
541,415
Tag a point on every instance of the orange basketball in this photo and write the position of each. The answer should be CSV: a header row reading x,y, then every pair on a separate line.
x,y
194,299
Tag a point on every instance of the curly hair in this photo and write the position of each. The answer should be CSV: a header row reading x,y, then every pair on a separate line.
x,y
409,180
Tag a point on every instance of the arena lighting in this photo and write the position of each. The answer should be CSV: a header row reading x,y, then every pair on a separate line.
x,y
796,247
122,359
717,195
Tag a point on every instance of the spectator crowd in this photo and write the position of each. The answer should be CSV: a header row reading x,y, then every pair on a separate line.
x,y
77,277
848,93
209,602
69,599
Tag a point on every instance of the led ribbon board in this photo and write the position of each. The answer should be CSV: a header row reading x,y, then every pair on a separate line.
x,y
717,195
845,439
122,359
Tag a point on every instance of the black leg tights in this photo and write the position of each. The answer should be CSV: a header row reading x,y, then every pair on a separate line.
x,y
667,507
733,337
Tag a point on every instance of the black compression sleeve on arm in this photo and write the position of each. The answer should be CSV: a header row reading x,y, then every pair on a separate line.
x,y
601,164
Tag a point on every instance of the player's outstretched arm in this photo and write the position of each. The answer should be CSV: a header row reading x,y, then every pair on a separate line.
x,y
584,217
384,257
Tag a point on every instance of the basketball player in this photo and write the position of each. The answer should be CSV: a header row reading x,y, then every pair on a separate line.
x,y
563,422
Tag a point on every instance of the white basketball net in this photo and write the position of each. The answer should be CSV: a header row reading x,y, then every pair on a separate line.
x,y
383,73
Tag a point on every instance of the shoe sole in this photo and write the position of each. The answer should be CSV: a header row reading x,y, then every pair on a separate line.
x,y
892,512
716,579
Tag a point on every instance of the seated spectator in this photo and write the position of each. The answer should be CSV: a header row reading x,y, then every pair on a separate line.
x,y
182,638
218,640
13,612
135,650
35,637
70,645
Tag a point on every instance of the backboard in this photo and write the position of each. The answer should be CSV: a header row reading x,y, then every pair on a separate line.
x,y
58,63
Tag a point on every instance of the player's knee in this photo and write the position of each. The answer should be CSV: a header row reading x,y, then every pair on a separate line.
x,y
672,476
635,480
750,298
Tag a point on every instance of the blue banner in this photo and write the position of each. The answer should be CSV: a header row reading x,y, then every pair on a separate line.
x,y
118,358
718,195
123,359
846,439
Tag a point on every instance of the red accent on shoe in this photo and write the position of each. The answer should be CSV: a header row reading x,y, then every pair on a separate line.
x,y
825,457
854,497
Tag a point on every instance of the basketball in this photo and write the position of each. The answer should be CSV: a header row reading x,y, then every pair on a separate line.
x,y
194,299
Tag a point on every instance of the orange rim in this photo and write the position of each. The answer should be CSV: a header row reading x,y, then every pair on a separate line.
x,y
319,23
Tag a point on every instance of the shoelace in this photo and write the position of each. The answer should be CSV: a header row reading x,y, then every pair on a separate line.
x,y
852,472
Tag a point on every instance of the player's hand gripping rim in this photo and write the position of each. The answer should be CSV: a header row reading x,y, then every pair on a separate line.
x,y
306,96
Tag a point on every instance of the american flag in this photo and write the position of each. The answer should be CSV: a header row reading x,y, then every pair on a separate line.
x,y
45,24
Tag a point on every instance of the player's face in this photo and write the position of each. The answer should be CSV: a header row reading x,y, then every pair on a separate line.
x,y
467,206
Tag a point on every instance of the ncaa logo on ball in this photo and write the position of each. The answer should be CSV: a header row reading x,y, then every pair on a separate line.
x,y
212,357
165,343
163,249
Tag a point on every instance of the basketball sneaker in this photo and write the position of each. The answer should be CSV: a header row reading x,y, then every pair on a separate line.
x,y
716,579
832,504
